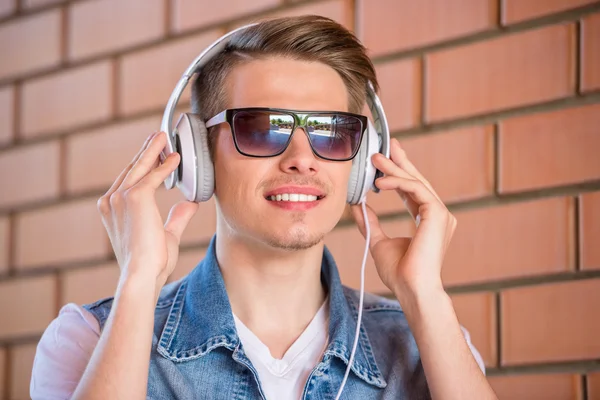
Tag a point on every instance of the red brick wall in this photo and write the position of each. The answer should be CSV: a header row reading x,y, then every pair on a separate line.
x,y
496,101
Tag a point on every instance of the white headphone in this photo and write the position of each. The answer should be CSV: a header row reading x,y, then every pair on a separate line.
x,y
195,175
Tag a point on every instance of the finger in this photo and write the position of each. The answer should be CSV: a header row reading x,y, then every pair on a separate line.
x,y
377,233
389,167
412,187
157,176
398,155
411,205
147,161
179,217
124,173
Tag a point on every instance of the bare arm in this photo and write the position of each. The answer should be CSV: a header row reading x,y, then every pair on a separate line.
x,y
147,253
450,368
118,368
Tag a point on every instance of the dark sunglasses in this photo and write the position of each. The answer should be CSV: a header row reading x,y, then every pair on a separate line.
x,y
267,132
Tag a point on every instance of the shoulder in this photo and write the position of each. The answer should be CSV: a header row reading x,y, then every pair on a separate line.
x,y
101,308
72,336
73,318
386,324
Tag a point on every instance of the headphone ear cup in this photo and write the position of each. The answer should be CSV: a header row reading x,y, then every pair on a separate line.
x,y
196,171
362,175
205,173
353,181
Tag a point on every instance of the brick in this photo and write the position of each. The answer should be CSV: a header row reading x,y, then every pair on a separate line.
x,y
590,55
7,7
521,10
337,10
21,362
38,181
39,3
400,83
565,143
459,164
148,77
593,386
7,112
32,42
502,73
96,158
188,260
32,305
3,370
189,14
509,241
589,220
385,26
4,245
567,307
66,233
202,226
542,386
131,23
477,313
85,97
347,246
86,285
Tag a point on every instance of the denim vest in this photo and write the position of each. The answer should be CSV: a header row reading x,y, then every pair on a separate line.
x,y
197,354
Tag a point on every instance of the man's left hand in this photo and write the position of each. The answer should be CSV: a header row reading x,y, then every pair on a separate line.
x,y
409,265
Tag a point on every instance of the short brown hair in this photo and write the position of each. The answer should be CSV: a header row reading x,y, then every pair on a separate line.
x,y
307,38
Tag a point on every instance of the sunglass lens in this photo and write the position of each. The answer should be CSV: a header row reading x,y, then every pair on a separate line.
x,y
336,136
262,133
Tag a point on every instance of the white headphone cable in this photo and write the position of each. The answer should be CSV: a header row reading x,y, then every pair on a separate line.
x,y
362,292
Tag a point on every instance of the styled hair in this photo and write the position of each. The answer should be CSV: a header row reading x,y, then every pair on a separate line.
x,y
304,38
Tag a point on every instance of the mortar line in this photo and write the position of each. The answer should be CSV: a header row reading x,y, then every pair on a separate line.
x,y
577,226
583,387
578,65
497,298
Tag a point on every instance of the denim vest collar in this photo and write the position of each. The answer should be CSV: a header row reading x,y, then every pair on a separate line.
x,y
201,320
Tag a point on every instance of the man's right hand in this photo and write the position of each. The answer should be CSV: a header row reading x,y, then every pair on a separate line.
x,y
142,245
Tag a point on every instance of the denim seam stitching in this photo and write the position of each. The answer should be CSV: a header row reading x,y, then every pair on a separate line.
x,y
367,353
173,319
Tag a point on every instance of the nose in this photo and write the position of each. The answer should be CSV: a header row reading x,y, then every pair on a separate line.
x,y
299,158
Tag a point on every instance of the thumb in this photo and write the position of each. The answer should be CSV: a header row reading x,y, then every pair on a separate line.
x,y
377,233
179,217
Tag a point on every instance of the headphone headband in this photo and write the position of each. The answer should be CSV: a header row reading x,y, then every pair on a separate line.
x,y
373,102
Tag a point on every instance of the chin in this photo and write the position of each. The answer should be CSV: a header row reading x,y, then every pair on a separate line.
x,y
297,238
302,231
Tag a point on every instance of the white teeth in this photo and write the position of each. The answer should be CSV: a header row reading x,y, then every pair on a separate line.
x,y
293,197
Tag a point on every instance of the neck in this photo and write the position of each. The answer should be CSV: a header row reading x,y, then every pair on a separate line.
x,y
274,292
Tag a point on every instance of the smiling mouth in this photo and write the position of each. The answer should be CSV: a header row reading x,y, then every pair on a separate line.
x,y
294,197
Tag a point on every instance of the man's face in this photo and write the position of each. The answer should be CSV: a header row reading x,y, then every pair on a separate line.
x,y
244,184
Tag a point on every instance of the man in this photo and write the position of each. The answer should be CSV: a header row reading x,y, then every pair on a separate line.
x,y
264,315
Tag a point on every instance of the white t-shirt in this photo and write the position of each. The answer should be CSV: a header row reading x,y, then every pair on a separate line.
x,y
74,334
285,378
